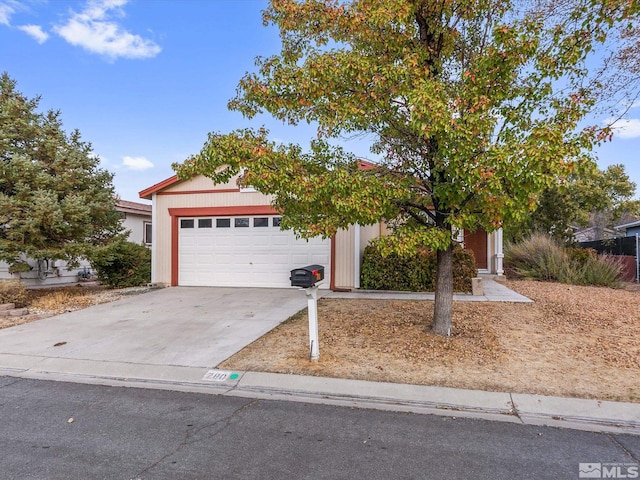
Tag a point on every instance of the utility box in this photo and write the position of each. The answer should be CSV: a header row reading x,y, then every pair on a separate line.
x,y
307,277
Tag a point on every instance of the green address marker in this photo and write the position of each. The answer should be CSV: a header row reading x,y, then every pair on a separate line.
x,y
233,376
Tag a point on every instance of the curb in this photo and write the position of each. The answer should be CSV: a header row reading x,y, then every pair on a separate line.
x,y
524,409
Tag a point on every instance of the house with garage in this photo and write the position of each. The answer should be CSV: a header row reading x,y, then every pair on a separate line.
x,y
207,234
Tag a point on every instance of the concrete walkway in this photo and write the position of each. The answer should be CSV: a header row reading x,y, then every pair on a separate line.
x,y
493,292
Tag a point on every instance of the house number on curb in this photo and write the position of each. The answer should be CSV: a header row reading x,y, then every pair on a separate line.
x,y
220,376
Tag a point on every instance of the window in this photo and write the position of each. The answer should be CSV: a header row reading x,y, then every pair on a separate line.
x,y
241,222
205,223
223,223
276,221
147,233
187,223
261,222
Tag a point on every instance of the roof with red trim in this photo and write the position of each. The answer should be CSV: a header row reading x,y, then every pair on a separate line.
x,y
147,193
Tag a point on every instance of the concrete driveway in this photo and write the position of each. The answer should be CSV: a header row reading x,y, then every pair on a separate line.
x,y
149,335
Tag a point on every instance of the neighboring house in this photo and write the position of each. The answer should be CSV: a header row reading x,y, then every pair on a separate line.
x,y
46,273
590,234
136,218
630,229
220,235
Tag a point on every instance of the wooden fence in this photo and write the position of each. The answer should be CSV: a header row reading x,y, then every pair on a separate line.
x,y
625,248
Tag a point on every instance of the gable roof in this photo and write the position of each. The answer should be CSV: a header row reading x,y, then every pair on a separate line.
x,y
147,193
133,207
628,225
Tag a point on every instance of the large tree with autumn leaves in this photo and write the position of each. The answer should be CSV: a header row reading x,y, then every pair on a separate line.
x,y
473,108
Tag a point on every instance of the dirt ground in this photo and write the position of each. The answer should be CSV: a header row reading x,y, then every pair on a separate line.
x,y
572,342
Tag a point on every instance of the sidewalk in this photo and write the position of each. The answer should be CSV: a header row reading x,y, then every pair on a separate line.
x,y
493,292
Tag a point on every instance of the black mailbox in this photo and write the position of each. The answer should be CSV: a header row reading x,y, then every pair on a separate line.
x,y
306,277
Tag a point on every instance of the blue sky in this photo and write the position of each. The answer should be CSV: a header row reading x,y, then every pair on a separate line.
x,y
145,80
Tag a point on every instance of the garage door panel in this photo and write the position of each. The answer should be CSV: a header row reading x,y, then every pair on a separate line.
x,y
242,240
224,260
266,259
245,256
281,239
262,241
300,259
188,242
205,242
224,241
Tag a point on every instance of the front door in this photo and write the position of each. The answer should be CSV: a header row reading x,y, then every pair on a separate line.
x,y
477,243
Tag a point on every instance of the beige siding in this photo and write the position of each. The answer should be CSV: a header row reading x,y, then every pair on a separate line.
x,y
203,200
368,233
200,183
162,239
344,257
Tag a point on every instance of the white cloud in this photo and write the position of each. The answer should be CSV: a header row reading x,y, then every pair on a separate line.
x,y
625,128
95,30
136,163
6,10
36,32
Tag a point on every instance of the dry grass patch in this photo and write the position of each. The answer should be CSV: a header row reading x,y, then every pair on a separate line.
x,y
573,341
64,300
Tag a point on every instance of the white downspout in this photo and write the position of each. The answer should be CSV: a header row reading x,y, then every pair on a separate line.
x,y
356,256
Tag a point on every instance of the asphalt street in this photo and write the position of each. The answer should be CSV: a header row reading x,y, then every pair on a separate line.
x,y
57,430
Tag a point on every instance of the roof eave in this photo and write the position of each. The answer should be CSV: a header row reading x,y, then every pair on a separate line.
x,y
628,225
147,193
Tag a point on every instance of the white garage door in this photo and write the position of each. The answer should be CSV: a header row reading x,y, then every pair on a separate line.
x,y
244,251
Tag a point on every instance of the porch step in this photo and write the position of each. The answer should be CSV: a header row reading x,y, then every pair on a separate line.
x,y
7,306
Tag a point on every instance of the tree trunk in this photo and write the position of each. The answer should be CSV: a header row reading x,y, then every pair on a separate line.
x,y
443,308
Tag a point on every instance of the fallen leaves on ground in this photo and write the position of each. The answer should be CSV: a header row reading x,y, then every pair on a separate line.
x,y
573,341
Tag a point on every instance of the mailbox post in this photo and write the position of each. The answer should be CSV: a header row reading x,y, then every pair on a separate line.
x,y
312,308
306,278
